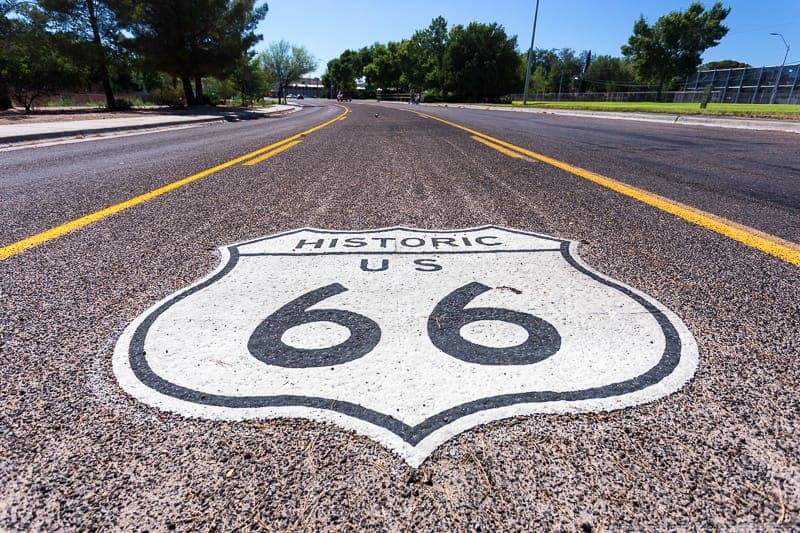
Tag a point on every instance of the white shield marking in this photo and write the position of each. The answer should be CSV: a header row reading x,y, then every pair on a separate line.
x,y
406,336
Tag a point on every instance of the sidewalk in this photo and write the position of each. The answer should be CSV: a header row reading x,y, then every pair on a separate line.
x,y
56,129
762,124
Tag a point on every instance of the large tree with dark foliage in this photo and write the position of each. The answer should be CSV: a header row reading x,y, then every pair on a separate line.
x,y
724,65
342,72
7,29
476,62
672,47
427,49
607,74
93,27
34,62
385,69
194,38
481,62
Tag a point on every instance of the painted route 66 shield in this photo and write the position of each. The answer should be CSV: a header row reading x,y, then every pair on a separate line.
x,y
407,336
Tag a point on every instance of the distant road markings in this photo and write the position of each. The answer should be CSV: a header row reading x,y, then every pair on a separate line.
x,y
782,249
13,249
271,153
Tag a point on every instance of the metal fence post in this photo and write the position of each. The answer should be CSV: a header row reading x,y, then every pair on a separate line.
x,y
725,87
758,83
741,84
791,91
780,70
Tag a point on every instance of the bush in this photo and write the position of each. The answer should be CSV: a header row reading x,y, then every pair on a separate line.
x,y
207,99
122,104
168,95
434,96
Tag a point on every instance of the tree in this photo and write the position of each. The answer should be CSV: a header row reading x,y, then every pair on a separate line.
x,y
481,61
553,70
607,74
565,67
384,70
248,80
92,23
194,38
8,28
285,63
724,65
342,72
672,47
538,81
352,67
429,47
412,71
33,62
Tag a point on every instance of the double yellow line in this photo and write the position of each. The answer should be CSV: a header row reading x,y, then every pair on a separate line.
x,y
249,159
770,244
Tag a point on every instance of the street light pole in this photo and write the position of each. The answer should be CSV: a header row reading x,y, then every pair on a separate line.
x,y
780,70
530,56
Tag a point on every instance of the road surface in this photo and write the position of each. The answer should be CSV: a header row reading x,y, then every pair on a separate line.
x,y
94,234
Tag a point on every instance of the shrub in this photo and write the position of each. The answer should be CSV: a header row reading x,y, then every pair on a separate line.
x,y
207,99
171,96
431,96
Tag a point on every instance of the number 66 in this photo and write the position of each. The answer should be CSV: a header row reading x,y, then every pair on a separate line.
x,y
444,331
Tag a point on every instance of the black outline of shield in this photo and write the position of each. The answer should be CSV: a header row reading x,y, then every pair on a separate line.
x,y
410,434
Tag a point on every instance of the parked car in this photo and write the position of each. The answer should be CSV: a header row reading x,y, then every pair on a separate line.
x,y
344,97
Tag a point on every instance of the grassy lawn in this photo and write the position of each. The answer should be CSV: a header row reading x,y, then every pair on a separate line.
x,y
784,111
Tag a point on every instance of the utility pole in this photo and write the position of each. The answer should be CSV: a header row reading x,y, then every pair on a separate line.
x,y
530,56
780,71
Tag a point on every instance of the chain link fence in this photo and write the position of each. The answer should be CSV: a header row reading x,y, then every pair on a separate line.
x,y
762,85
637,96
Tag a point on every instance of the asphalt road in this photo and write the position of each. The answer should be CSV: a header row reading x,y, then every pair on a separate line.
x,y
77,452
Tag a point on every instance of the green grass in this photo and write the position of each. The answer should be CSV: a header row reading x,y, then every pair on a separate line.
x,y
68,102
784,111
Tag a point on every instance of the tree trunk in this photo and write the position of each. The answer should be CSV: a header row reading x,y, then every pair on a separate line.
x,y
5,97
100,55
187,90
661,80
442,81
198,89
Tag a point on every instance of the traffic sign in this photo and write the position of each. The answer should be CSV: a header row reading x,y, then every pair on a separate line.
x,y
407,336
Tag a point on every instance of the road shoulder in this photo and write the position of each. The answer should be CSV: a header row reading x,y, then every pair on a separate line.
x,y
59,128
762,124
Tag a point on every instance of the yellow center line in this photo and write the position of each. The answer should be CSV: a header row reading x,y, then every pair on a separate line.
x,y
764,242
269,154
73,225
494,146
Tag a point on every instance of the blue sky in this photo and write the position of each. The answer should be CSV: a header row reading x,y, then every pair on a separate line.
x,y
327,28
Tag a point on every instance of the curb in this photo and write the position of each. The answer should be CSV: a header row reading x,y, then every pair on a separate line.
x,y
110,129
763,124
206,119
